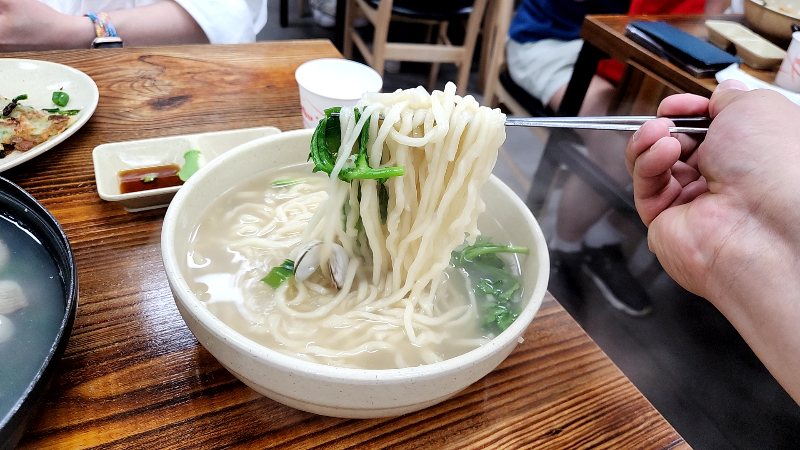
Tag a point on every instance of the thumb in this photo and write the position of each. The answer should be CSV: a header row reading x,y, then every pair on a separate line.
x,y
727,92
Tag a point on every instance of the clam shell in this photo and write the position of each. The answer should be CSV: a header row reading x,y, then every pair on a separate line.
x,y
338,262
5,254
11,297
6,329
308,260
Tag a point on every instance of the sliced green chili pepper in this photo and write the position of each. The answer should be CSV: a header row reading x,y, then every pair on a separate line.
x,y
60,98
63,112
10,107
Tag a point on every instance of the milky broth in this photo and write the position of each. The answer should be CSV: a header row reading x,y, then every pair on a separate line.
x,y
226,276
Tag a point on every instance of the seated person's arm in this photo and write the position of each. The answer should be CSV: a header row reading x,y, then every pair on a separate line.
x,y
31,25
162,23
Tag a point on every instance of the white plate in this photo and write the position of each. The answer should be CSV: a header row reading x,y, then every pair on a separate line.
x,y
39,79
111,159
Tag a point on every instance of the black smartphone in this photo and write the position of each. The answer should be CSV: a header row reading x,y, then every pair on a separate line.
x,y
692,54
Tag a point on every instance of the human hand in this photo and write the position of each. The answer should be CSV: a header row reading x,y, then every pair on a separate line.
x,y
32,25
737,189
724,214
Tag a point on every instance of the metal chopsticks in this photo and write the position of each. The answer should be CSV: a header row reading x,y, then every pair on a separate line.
x,y
689,125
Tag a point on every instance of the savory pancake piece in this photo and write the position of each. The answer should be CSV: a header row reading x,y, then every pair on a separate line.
x,y
26,127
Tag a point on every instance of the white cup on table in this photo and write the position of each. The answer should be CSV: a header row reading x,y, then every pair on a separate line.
x,y
788,76
329,82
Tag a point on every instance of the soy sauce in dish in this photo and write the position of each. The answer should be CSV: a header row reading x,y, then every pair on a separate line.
x,y
148,178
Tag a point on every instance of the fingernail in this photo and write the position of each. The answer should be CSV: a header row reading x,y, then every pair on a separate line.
x,y
732,84
636,135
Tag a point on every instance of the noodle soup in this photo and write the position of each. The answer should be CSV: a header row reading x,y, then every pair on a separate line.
x,y
362,268
255,226
320,388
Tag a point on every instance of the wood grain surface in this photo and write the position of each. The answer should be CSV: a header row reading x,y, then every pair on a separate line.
x,y
607,33
134,377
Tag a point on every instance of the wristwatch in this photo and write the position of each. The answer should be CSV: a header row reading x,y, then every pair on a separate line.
x,y
104,29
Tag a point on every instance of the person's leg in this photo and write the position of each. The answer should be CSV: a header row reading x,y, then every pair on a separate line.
x,y
544,69
580,206
582,213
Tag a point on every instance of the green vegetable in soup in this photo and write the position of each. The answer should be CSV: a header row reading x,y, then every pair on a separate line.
x,y
484,246
383,202
288,182
60,98
325,145
279,274
497,291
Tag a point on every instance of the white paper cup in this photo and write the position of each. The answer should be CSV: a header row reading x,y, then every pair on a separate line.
x,y
788,76
329,82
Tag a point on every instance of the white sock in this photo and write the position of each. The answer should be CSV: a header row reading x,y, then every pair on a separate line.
x,y
602,233
563,245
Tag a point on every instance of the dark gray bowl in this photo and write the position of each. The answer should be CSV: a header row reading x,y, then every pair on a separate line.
x,y
18,206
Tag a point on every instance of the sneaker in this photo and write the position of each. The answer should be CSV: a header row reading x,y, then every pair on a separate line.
x,y
391,66
565,274
607,267
324,12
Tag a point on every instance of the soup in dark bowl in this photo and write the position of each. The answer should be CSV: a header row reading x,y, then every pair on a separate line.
x,y
38,303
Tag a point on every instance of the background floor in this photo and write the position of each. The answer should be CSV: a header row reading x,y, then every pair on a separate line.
x,y
685,357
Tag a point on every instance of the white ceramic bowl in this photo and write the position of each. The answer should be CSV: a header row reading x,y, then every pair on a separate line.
x,y
318,388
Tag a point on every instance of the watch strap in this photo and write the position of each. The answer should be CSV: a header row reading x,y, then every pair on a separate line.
x,y
105,31
102,24
107,42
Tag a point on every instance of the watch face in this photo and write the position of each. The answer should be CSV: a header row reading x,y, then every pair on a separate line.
x,y
107,42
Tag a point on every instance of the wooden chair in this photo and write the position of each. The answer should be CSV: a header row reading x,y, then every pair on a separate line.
x,y
381,13
493,78
562,150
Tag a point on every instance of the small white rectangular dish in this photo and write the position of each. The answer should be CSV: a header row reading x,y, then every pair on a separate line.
x,y
111,159
754,50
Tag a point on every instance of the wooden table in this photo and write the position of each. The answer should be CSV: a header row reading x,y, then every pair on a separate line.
x,y
133,375
604,37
